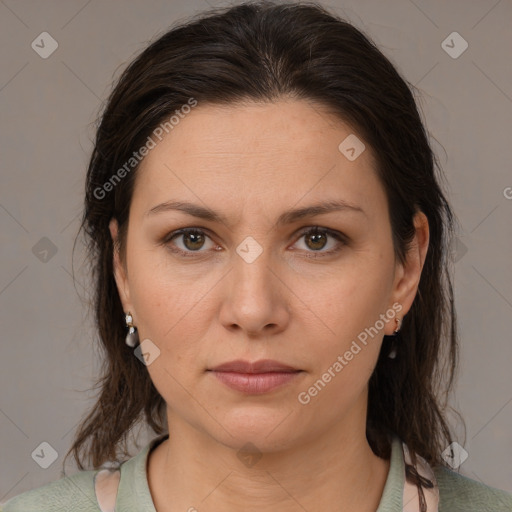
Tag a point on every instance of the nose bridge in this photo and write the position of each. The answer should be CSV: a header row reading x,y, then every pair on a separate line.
x,y
255,297
252,268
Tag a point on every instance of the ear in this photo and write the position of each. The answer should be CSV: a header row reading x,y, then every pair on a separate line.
x,y
120,273
407,276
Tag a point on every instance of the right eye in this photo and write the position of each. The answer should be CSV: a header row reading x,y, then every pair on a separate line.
x,y
190,241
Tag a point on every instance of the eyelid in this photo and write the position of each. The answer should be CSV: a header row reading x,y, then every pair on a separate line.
x,y
332,232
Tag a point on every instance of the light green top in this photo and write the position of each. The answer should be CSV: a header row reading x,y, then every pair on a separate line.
x,y
75,493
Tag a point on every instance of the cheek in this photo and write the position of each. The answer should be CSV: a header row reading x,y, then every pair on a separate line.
x,y
346,324
348,298
341,362
167,312
174,311
163,295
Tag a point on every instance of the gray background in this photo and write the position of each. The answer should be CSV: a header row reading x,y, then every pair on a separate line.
x,y
48,107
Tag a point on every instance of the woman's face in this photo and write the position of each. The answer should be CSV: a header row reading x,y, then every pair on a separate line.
x,y
260,283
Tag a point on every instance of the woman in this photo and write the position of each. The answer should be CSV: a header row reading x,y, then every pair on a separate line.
x,y
269,239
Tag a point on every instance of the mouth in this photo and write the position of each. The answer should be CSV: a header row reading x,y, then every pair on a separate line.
x,y
255,378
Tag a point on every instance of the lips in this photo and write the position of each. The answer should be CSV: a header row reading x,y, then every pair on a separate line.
x,y
262,366
255,378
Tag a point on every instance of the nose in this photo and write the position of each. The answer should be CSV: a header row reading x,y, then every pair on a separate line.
x,y
256,300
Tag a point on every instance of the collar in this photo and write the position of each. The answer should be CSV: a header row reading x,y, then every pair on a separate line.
x,y
134,490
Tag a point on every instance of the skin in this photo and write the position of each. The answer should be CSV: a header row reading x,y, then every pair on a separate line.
x,y
250,162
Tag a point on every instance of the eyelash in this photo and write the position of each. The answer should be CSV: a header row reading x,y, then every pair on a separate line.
x,y
339,237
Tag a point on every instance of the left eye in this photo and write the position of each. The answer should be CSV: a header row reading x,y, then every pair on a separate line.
x,y
316,239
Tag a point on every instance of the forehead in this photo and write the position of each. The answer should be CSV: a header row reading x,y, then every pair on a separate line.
x,y
259,152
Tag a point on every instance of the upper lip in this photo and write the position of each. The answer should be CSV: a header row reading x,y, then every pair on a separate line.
x,y
261,366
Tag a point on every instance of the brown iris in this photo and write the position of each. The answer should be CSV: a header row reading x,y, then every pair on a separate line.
x,y
318,240
193,240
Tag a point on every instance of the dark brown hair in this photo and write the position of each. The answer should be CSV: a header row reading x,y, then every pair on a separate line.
x,y
262,51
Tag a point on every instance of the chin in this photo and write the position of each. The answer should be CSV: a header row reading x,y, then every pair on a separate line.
x,y
267,429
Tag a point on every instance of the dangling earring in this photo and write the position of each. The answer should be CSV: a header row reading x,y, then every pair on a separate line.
x,y
392,353
132,338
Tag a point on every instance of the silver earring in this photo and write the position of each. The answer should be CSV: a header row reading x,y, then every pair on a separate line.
x,y
132,338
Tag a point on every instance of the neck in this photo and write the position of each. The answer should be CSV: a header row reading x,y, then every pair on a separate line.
x,y
190,471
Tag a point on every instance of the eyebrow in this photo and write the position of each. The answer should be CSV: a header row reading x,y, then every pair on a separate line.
x,y
287,217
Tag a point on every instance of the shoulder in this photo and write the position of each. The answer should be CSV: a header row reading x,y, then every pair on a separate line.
x,y
74,492
460,493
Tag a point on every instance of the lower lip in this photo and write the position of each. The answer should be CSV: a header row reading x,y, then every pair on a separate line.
x,y
255,383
